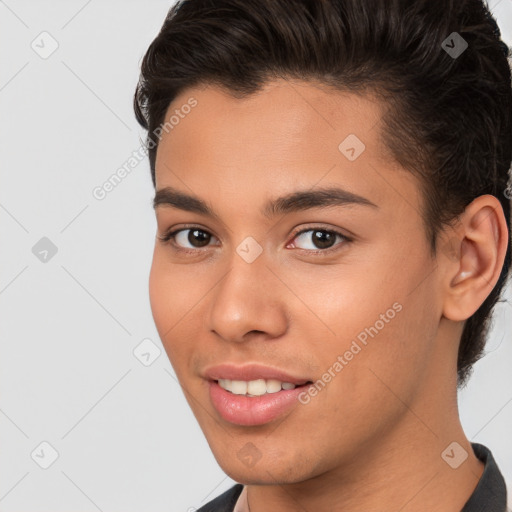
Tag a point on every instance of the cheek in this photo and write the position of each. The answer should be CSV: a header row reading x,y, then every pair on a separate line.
x,y
159,299
166,300
174,290
345,299
376,317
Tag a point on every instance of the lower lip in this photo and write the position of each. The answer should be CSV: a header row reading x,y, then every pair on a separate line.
x,y
257,410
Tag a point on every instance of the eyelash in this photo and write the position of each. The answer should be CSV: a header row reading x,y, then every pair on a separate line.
x,y
169,239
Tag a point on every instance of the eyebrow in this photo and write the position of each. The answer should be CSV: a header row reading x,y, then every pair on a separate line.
x,y
295,201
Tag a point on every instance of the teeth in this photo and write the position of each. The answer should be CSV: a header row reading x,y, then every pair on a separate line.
x,y
273,386
225,384
254,387
239,387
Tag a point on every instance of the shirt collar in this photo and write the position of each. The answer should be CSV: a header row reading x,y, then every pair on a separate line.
x,y
490,494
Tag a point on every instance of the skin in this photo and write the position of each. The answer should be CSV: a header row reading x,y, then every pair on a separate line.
x,y
373,437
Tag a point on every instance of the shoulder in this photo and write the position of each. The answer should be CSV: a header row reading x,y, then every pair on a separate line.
x,y
225,502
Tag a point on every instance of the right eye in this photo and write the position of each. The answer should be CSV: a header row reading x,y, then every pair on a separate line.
x,y
195,236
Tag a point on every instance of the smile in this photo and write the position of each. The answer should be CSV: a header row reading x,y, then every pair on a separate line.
x,y
254,388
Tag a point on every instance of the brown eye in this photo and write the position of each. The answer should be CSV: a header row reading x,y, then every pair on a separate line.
x,y
196,238
187,239
321,239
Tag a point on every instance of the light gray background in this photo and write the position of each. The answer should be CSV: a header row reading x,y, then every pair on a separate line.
x,y
125,437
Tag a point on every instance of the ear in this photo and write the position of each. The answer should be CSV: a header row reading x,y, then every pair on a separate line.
x,y
471,256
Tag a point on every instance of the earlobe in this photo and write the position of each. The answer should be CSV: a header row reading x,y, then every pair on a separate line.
x,y
476,261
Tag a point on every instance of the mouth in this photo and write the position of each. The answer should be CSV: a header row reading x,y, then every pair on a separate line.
x,y
258,387
234,377
249,409
253,394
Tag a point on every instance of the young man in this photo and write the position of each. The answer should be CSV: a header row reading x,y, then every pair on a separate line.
x,y
333,233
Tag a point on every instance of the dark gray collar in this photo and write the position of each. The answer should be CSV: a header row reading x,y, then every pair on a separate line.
x,y
490,494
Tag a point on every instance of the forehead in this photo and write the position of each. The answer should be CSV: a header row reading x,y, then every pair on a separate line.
x,y
284,119
288,133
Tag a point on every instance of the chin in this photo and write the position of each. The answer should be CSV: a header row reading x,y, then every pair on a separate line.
x,y
263,476
260,469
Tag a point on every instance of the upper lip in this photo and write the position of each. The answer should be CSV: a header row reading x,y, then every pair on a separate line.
x,y
249,372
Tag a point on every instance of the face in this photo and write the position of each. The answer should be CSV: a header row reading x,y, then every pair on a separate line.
x,y
331,289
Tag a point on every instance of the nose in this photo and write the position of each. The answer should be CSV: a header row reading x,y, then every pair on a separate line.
x,y
249,299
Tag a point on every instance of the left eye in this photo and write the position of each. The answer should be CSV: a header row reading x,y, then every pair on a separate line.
x,y
321,238
195,236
